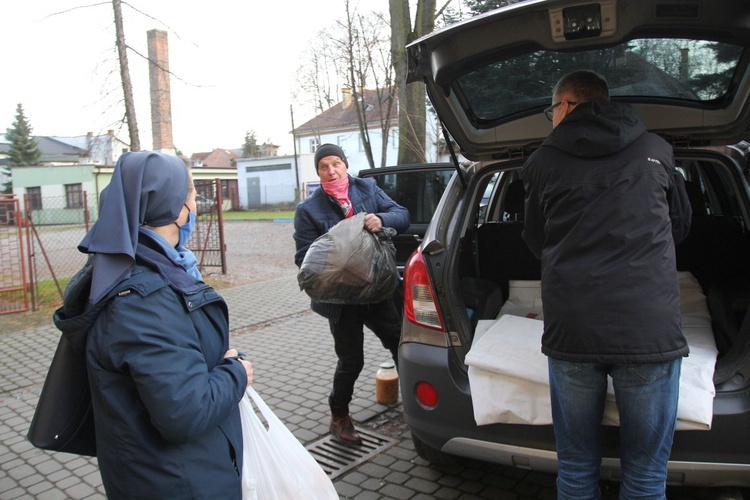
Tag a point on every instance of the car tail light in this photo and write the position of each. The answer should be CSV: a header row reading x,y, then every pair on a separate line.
x,y
426,394
419,301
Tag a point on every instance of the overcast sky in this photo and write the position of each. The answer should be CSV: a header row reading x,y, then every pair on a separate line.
x,y
233,61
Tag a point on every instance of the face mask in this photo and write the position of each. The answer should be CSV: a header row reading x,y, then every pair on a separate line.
x,y
186,229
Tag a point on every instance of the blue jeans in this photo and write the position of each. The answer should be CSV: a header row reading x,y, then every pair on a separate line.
x,y
646,397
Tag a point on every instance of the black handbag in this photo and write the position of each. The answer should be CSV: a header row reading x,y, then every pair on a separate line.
x,y
64,418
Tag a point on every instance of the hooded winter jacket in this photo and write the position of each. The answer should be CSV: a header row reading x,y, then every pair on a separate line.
x,y
604,209
165,399
319,213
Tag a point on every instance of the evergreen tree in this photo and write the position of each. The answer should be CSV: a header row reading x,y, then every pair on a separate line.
x,y
250,149
23,148
715,84
482,6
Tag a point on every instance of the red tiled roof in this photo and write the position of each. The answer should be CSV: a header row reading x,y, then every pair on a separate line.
x,y
199,156
216,158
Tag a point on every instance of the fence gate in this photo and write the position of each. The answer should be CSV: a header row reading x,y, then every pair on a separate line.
x,y
207,240
38,250
13,280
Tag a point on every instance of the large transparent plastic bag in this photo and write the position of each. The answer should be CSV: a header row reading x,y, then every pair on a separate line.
x,y
275,464
350,265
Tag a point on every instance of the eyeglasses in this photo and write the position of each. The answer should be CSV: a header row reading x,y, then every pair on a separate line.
x,y
548,112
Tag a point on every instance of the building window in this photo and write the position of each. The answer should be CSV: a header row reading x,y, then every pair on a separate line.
x,y
205,189
314,145
73,196
340,139
35,197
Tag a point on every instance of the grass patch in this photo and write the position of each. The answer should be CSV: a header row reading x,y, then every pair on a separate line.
x,y
48,296
259,215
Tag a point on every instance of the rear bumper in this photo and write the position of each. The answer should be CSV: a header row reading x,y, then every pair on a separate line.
x,y
679,473
449,426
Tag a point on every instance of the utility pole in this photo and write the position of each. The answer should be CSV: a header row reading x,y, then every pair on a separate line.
x,y
296,161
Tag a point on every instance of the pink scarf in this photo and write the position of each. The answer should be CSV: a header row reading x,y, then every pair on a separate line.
x,y
339,191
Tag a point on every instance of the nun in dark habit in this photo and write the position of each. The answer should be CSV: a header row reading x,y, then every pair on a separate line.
x,y
165,385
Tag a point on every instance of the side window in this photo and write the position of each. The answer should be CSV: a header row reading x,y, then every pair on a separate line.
x,y
419,191
713,189
205,189
502,197
484,214
35,197
73,196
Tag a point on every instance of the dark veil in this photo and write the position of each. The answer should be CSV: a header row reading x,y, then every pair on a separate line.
x,y
146,188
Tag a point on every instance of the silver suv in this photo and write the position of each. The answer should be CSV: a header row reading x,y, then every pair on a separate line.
x,y
683,65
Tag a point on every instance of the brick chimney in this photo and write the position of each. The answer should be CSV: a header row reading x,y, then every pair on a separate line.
x,y
161,100
346,97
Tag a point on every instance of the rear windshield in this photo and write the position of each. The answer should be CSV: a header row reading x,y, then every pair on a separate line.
x,y
687,70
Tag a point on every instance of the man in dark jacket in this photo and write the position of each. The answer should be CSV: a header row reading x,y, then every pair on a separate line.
x,y
340,196
605,207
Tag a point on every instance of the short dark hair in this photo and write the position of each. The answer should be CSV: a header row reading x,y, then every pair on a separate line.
x,y
584,85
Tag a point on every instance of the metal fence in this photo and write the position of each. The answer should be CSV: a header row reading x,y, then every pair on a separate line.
x,y
13,278
39,247
56,228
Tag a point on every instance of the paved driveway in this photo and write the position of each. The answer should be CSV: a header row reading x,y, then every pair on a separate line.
x,y
292,352
293,357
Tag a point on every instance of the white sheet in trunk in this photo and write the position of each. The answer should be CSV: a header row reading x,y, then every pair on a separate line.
x,y
508,372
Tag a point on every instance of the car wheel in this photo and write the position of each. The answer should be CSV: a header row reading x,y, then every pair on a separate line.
x,y
431,454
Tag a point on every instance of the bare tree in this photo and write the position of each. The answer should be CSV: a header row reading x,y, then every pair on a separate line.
x,y
378,53
412,117
368,63
317,81
127,86
354,55
358,69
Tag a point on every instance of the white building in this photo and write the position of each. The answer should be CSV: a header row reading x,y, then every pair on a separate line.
x,y
286,179
268,180
339,125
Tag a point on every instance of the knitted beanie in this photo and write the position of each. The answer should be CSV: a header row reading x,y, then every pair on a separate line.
x,y
329,150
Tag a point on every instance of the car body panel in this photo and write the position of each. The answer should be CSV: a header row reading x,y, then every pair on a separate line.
x,y
445,58
715,458
500,135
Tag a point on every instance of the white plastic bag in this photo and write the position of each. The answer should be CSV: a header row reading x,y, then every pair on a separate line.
x,y
275,464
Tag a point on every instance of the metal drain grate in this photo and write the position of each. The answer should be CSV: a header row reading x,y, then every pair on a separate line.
x,y
337,458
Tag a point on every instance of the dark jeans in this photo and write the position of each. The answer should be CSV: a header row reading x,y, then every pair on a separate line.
x,y
384,319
